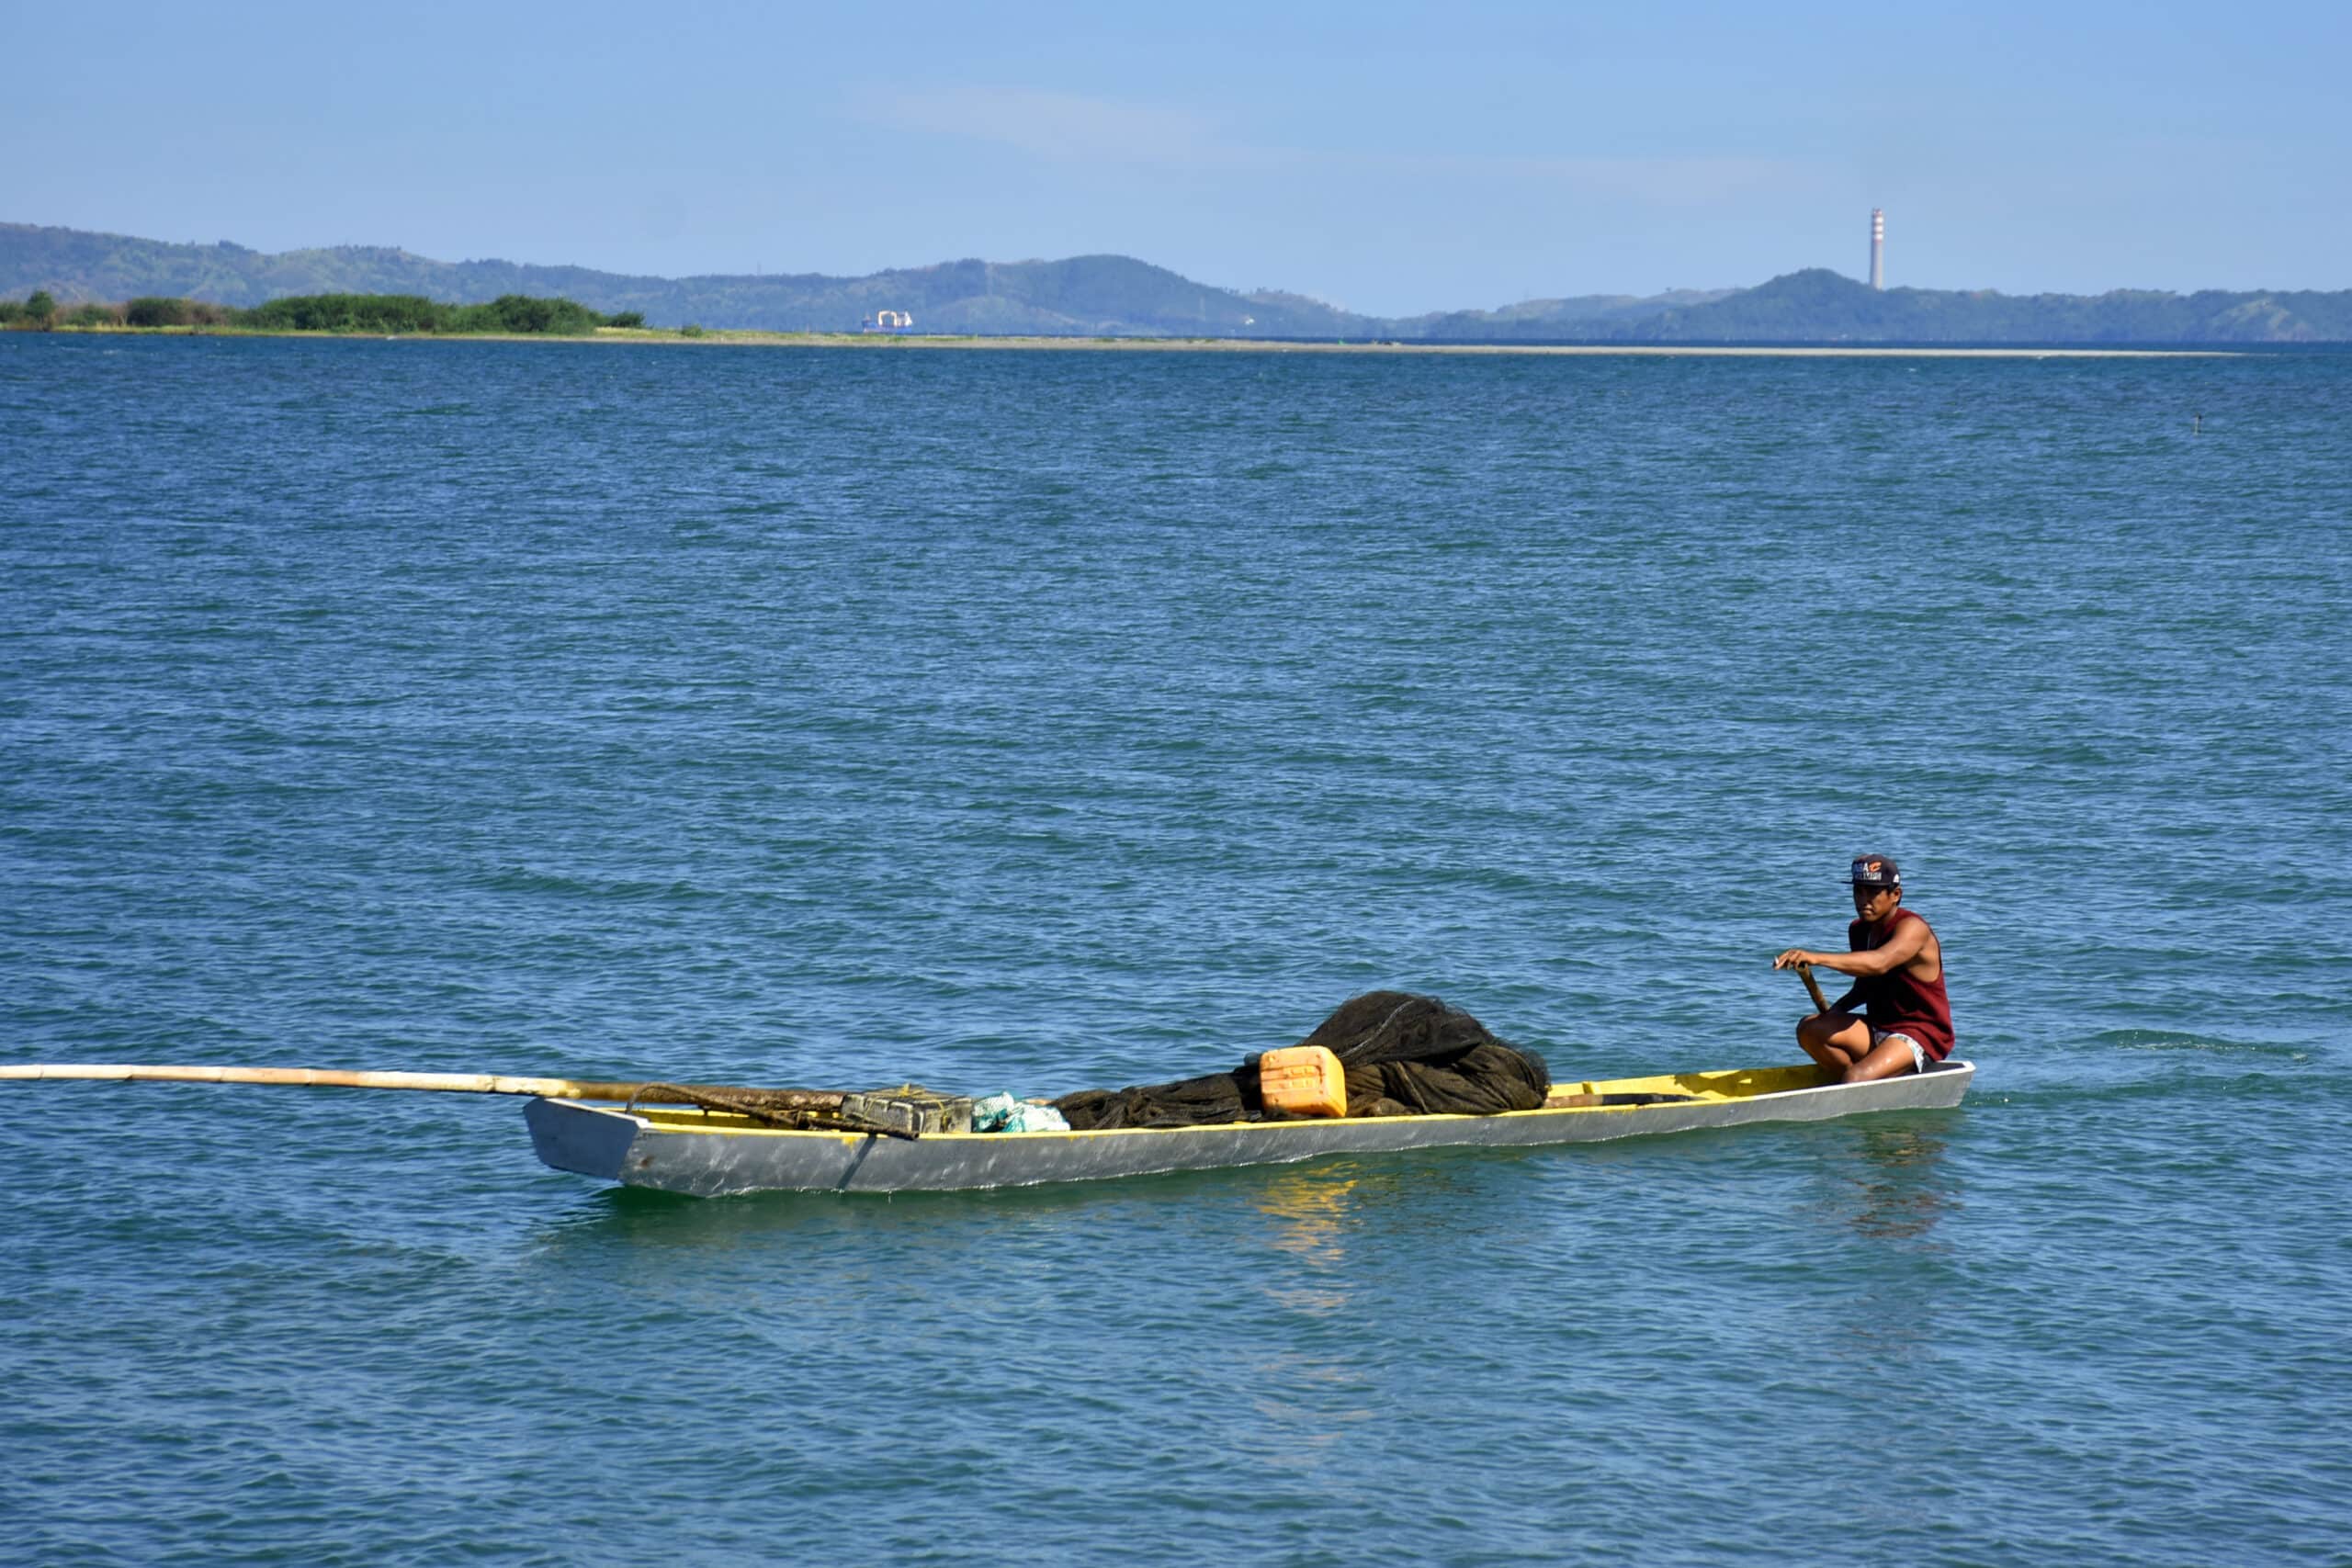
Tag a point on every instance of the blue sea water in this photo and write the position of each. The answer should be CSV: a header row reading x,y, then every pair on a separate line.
x,y
1041,720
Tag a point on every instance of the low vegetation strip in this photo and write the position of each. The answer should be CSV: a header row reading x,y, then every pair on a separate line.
x,y
510,314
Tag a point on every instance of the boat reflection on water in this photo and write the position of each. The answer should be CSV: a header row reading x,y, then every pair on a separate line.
x,y
1903,1191
1888,1192
1309,1390
1319,1206
1313,1209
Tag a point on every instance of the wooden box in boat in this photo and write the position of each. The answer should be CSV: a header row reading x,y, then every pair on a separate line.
x,y
683,1150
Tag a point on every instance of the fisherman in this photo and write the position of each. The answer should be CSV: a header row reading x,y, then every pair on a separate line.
x,y
1898,969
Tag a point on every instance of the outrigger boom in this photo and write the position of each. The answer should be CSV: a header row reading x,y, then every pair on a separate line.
x,y
835,1110
326,1078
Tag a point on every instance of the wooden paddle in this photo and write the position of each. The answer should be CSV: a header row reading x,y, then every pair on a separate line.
x,y
1820,1002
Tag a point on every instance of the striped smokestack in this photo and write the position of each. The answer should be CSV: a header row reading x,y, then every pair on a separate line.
x,y
1878,248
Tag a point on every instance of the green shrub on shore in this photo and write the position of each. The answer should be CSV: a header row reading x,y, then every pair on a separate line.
x,y
35,312
522,313
157,310
346,314
518,314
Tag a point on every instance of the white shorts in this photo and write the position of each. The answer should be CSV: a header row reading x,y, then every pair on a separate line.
x,y
1918,1051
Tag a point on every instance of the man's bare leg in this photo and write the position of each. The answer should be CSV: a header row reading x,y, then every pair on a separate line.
x,y
1889,1059
1836,1040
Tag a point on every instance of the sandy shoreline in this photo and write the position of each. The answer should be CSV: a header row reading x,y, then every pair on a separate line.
x,y
744,337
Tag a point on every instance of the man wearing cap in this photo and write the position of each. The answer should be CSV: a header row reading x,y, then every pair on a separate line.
x,y
1903,1020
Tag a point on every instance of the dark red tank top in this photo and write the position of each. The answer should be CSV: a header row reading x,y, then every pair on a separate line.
x,y
1901,1001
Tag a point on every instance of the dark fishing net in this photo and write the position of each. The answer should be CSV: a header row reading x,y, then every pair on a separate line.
x,y
1403,1055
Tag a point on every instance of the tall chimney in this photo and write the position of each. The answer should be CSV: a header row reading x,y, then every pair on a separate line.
x,y
1878,248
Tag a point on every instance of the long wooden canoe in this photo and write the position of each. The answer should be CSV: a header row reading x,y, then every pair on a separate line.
x,y
709,1154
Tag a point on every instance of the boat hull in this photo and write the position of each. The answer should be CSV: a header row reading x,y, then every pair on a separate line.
x,y
709,1154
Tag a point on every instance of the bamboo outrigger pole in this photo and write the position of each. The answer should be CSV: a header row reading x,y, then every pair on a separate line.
x,y
447,1083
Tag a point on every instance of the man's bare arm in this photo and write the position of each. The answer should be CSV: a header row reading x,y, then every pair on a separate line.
x,y
1910,939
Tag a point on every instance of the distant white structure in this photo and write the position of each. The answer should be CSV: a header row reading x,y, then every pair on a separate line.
x,y
1878,248
889,321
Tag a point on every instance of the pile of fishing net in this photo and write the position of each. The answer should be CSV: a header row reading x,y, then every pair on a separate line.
x,y
1403,1055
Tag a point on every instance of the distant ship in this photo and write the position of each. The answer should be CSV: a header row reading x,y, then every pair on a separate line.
x,y
888,321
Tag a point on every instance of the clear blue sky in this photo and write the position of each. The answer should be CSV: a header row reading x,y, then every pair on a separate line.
x,y
1392,159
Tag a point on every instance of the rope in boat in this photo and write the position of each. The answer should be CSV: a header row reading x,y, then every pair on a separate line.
x,y
782,1108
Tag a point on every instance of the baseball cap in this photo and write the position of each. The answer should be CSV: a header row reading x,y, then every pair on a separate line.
x,y
1876,871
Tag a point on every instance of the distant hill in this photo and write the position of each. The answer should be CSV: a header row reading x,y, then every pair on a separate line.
x,y
1819,305
1084,296
1120,297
